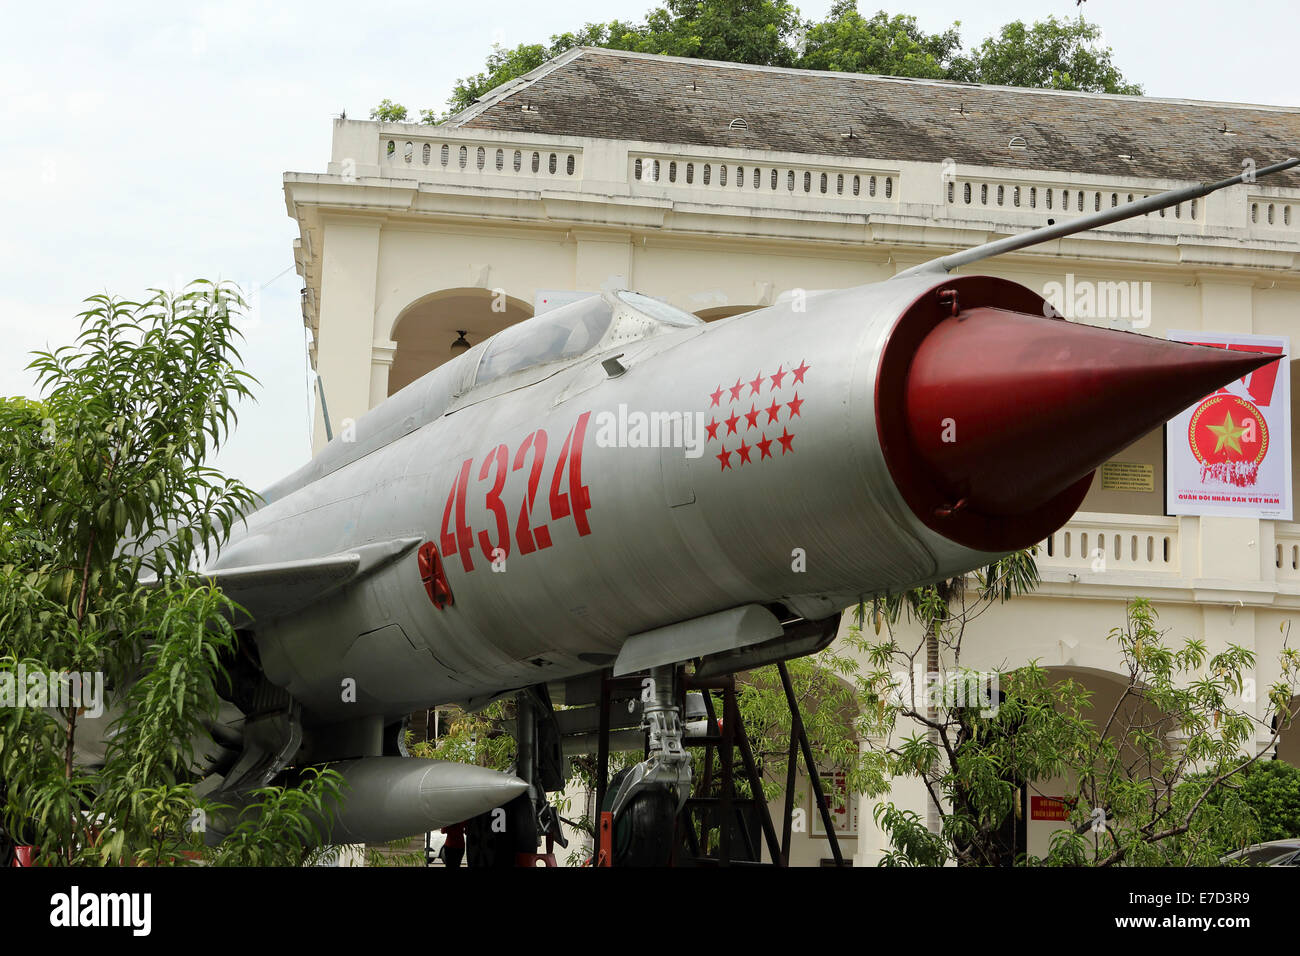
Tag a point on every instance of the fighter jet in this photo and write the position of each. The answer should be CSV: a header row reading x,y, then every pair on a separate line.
x,y
615,483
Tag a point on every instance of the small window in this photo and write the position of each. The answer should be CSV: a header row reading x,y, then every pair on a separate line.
x,y
807,182
1096,202
707,171
789,180
444,154
1130,197
952,188
408,152
551,164
1286,215
636,170
537,162
519,161
984,194
1193,210
965,193
1033,197
1015,196
1270,214
1047,195
839,184
480,157
654,169
722,175
1114,200
774,178
1080,200
501,160
871,186
570,164
757,176
1178,211
740,177
392,148
1000,194
463,157
672,171
857,187
889,186
822,183
426,153
690,173
1254,212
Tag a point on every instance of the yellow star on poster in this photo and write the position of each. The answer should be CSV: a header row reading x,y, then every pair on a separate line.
x,y
1228,434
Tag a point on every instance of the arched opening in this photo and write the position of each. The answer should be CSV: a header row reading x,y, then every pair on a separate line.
x,y
1108,704
426,329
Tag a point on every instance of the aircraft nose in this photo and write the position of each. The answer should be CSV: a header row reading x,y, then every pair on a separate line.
x,y
993,417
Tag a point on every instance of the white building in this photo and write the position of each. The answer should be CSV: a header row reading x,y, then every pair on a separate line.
x,y
719,186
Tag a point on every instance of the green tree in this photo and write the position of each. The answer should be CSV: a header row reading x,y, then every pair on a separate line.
x,y
1150,779
1058,54
389,112
1051,54
106,503
883,45
1269,792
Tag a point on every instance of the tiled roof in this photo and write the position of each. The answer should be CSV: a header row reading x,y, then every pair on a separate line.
x,y
613,95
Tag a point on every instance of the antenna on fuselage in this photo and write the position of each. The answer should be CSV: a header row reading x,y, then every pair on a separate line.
x,y
1059,230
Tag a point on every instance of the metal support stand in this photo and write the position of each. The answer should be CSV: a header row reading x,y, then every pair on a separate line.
x,y
714,803
797,730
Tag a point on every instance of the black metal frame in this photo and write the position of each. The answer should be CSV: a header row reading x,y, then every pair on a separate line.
x,y
726,742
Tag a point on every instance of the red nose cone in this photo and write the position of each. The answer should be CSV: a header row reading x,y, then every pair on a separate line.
x,y
1009,410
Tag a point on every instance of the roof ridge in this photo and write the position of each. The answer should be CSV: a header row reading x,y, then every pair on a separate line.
x,y
513,85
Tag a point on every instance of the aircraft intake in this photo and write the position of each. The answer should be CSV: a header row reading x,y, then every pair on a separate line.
x,y
1001,411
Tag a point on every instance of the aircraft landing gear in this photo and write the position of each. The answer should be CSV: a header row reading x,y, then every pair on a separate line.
x,y
647,801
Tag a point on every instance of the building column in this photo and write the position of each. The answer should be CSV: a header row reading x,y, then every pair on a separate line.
x,y
381,361
349,265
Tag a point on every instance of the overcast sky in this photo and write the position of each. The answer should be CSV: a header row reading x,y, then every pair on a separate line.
x,y
143,144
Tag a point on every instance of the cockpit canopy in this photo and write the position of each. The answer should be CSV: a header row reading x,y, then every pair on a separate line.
x,y
597,322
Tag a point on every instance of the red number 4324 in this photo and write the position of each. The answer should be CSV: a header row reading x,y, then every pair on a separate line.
x,y
496,465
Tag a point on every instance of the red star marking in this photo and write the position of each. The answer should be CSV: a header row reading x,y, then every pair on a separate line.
x,y
735,390
765,446
731,424
756,385
798,372
751,416
776,379
712,428
725,458
773,411
744,451
786,440
795,405
715,396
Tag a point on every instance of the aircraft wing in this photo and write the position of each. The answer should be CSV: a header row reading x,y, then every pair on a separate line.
x,y
274,590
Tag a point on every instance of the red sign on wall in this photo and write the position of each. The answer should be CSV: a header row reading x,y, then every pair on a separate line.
x,y
1047,808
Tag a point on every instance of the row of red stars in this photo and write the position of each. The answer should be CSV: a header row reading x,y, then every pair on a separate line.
x,y
751,416
756,385
764,447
